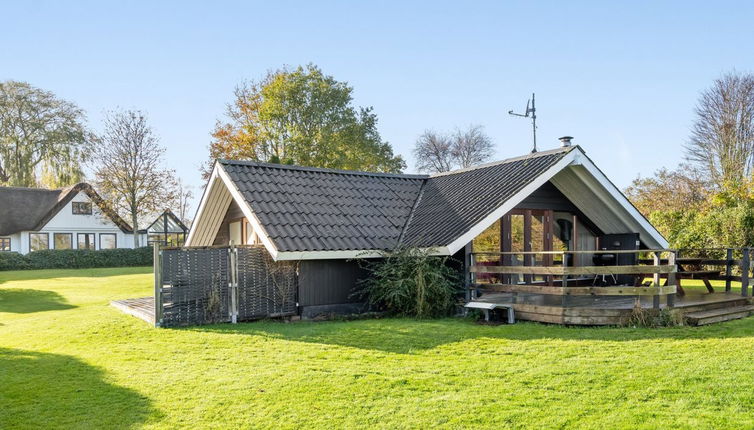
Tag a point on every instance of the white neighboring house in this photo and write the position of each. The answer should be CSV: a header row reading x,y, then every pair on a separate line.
x,y
69,218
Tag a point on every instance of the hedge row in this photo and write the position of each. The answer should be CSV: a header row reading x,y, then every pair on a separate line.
x,y
76,258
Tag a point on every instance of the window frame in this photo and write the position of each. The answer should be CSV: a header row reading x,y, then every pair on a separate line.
x,y
93,243
47,241
115,240
55,240
75,205
9,245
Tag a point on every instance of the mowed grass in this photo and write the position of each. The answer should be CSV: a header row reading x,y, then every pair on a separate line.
x,y
68,360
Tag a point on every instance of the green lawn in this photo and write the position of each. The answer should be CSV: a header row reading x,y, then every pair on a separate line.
x,y
69,360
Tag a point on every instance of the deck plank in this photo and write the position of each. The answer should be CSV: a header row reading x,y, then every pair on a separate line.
x,y
142,308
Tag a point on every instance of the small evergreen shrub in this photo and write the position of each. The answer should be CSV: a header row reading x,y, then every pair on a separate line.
x,y
13,261
410,282
76,258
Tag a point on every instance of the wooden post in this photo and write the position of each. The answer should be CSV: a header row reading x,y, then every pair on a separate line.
x,y
548,219
467,262
655,281
575,242
528,258
745,263
506,244
474,290
728,268
157,267
672,278
656,276
564,282
233,282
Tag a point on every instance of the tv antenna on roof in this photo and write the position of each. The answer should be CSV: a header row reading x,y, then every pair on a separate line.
x,y
533,111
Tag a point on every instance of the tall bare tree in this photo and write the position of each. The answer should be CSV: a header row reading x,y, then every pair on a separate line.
x,y
439,152
722,139
43,139
129,172
471,146
185,194
433,153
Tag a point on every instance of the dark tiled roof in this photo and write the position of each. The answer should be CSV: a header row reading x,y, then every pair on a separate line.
x,y
23,209
308,209
451,204
29,209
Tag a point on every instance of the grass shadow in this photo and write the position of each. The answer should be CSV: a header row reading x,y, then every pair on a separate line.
x,y
26,301
97,272
407,336
41,390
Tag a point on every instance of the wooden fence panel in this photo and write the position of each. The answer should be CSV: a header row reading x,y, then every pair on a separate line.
x,y
199,286
195,286
265,288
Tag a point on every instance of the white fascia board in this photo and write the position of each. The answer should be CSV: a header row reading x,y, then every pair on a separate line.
x,y
200,210
615,193
572,157
248,213
346,255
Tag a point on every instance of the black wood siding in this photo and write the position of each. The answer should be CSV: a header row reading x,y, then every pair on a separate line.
x,y
547,197
328,282
223,233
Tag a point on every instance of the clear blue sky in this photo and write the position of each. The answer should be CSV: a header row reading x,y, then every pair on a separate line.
x,y
622,78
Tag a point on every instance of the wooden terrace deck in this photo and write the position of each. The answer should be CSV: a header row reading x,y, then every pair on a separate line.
x,y
601,310
142,308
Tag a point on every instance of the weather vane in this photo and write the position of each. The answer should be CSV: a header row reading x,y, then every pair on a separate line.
x,y
533,111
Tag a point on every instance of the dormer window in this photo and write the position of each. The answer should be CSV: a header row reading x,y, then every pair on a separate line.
x,y
82,208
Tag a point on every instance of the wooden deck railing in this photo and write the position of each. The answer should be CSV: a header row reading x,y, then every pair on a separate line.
x,y
573,280
709,265
665,267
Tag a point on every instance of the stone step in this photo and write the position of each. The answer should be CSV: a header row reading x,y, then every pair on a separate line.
x,y
719,315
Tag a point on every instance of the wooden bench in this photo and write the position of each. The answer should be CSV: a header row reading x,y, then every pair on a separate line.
x,y
487,307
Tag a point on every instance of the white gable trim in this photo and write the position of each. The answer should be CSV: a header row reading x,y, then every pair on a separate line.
x,y
572,157
616,194
200,211
347,255
247,211
202,222
575,157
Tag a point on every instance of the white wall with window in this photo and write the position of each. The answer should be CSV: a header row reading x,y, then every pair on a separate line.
x,y
11,243
78,225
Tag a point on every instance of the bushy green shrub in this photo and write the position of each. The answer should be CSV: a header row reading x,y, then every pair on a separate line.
x,y
13,261
76,258
410,282
653,318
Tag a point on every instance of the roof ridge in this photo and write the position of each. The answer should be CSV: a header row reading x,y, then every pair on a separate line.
x,y
411,213
507,160
50,190
322,169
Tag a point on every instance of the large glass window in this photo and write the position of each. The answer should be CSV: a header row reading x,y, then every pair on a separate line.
x,y
63,240
85,241
82,208
107,241
4,244
39,241
488,240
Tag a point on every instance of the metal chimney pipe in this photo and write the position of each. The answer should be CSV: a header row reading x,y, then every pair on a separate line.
x,y
565,141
